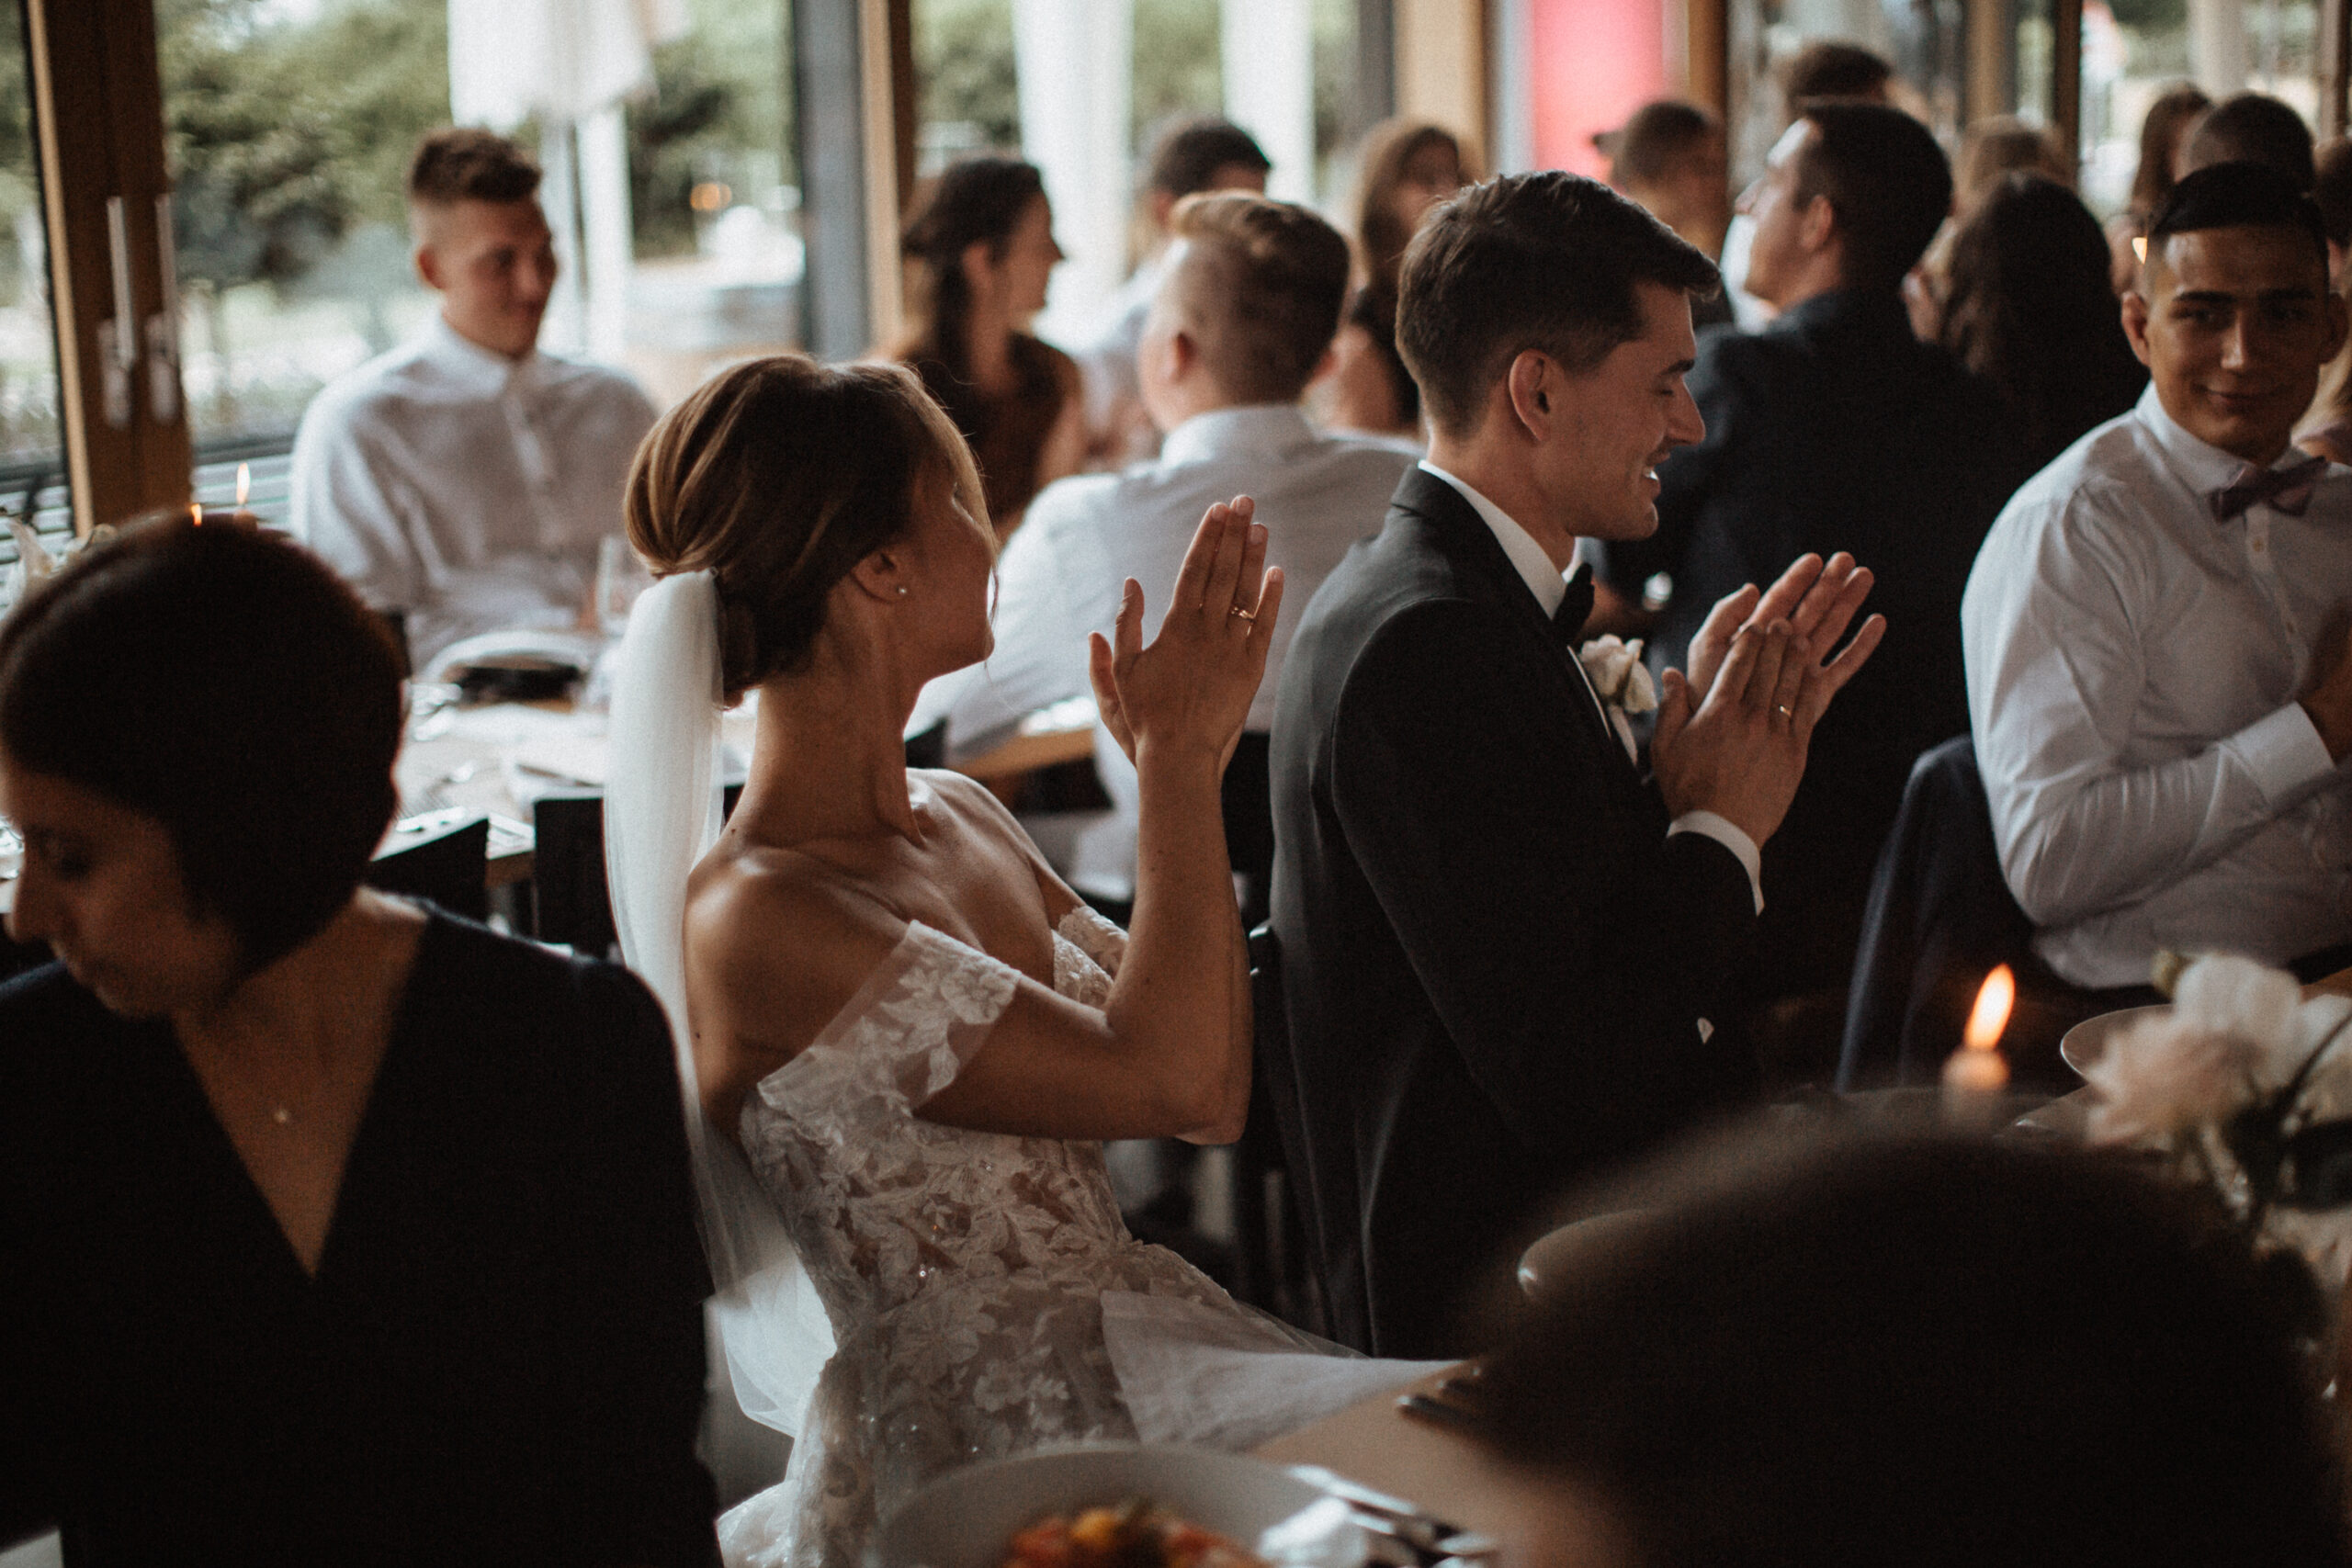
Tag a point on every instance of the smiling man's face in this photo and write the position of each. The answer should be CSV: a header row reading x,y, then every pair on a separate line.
x,y
2235,326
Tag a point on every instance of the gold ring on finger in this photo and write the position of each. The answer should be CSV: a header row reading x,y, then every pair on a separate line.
x,y
1245,615
1783,710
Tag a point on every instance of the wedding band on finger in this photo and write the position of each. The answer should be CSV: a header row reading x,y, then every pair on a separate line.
x,y
1244,614
1783,710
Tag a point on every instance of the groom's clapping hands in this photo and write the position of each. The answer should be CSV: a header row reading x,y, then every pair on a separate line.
x,y
1732,736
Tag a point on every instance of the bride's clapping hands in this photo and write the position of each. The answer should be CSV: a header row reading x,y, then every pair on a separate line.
x,y
1191,687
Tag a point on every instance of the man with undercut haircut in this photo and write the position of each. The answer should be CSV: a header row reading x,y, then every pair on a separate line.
x,y
2159,659
463,483
1245,313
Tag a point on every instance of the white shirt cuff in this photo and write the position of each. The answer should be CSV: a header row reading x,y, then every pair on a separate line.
x,y
2283,751
1722,831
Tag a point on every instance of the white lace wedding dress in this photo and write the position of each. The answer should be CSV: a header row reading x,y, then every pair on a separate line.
x,y
965,1273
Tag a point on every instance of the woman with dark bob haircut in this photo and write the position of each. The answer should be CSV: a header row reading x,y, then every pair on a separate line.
x,y
332,1229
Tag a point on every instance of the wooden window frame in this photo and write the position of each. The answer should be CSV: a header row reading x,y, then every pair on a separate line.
x,y
98,120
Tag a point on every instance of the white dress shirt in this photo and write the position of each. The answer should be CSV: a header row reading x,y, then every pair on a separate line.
x,y
1083,538
466,490
2133,670
1550,585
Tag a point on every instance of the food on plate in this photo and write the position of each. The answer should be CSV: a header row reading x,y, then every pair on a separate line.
x,y
1135,1534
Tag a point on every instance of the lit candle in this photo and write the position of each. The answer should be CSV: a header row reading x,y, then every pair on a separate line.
x,y
195,512
1976,1073
238,514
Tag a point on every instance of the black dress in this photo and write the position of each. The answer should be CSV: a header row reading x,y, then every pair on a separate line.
x,y
499,1359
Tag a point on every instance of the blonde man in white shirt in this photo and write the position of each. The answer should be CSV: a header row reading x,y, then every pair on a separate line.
x,y
1243,318
2156,630
462,483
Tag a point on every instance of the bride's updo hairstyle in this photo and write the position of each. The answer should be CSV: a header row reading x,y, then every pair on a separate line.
x,y
777,477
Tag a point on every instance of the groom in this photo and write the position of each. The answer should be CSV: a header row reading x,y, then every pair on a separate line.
x,y
1498,938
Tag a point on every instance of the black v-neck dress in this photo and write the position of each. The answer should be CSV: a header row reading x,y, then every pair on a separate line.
x,y
499,1359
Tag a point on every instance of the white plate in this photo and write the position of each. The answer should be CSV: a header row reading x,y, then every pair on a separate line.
x,y
963,1519
2087,1042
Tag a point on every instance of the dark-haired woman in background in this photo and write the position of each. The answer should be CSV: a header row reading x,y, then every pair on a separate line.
x,y
2161,134
981,247
1408,168
332,1229
2029,309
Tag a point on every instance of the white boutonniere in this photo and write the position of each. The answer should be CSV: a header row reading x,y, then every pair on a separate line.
x,y
1621,682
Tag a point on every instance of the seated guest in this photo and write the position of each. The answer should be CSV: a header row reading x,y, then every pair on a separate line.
x,y
2161,134
2157,655
982,248
1993,149
1671,157
2028,307
1187,158
1244,315
1935,1354
1405,167
2249,127
1832,68
335,1229
2326,429
1833,429
462,484
1499,941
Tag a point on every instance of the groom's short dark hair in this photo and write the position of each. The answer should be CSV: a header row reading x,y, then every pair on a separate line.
x,y
1546,260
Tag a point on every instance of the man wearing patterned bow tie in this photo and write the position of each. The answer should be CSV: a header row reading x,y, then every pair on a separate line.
x,y
1498,940
2159,664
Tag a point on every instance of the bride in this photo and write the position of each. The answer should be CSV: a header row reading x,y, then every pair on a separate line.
x,y
908,1026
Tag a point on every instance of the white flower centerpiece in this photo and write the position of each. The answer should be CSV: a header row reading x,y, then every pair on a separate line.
x,y
2245,1085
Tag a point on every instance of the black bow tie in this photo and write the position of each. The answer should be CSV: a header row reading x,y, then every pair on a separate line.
x,y
1575,608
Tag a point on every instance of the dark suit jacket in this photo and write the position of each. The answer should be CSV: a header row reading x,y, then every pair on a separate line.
x,y
1835,429
1493,957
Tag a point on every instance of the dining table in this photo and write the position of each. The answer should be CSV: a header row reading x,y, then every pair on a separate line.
x,y
1442,1466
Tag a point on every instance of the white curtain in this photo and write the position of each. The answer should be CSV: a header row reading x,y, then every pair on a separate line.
x,y
569,63
1075,64
1268,50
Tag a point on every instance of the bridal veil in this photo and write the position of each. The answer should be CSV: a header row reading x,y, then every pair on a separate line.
x,y
661,815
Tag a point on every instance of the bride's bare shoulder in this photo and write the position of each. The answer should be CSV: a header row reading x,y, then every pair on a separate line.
x,y
977,808
774,936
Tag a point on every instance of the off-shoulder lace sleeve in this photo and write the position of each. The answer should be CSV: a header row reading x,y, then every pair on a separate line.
x,y
1096,937
902,1038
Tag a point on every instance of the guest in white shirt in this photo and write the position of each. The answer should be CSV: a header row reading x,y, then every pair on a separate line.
x,y
462,484
1244,317
2157,651
1189,157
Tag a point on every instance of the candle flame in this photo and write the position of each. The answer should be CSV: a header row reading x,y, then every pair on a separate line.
x,y
1990,1016
195,512
245,484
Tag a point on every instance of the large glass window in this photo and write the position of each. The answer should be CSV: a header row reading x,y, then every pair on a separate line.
x,y
715,198
287,125
32,457
2134,50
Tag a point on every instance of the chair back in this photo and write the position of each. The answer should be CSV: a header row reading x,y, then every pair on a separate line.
x,y
571,902
1247,798
1273,1170
1941,915
450,866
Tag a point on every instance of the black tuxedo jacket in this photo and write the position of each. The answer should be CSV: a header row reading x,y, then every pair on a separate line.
x,y
1493,957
